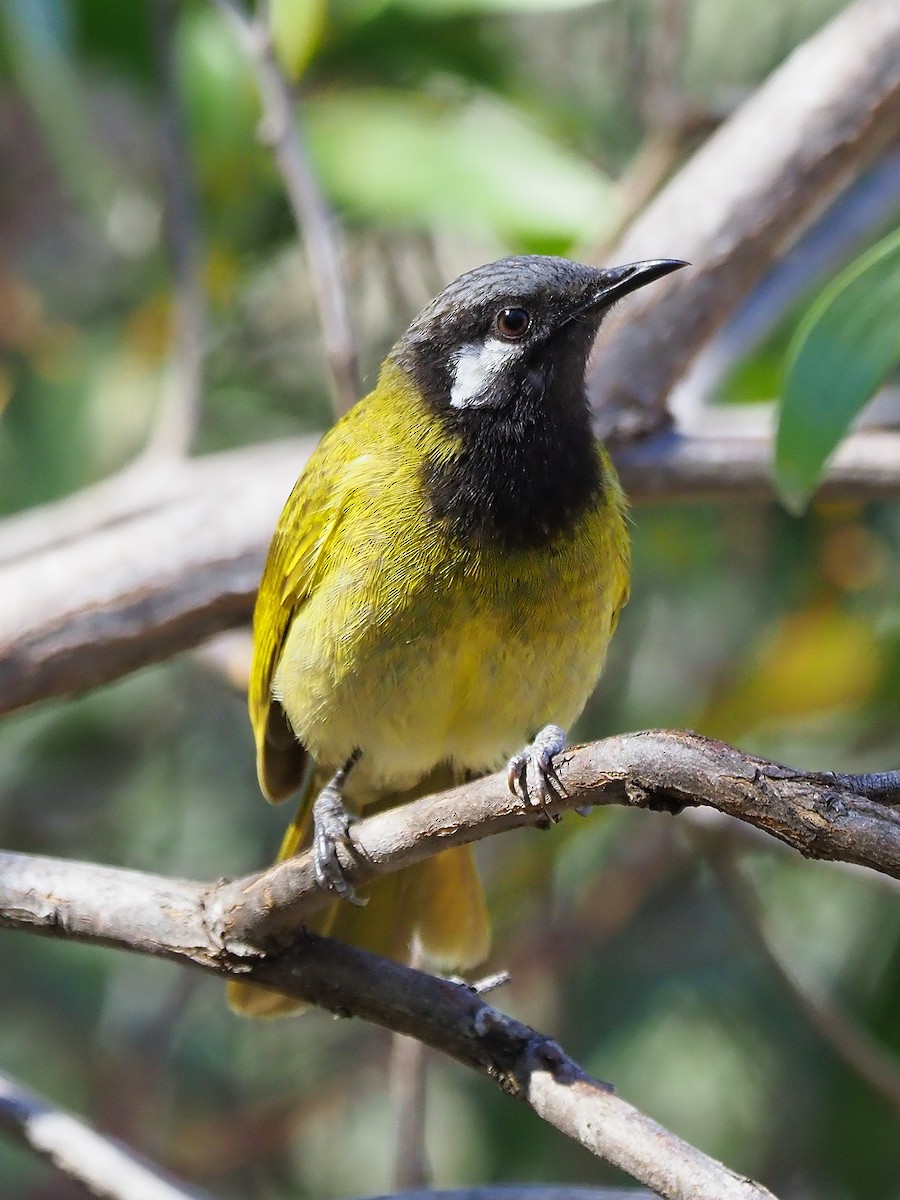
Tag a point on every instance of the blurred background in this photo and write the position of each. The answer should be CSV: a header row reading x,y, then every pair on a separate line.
x,y
443,133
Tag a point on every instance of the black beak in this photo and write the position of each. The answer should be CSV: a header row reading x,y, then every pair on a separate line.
x,y
617,282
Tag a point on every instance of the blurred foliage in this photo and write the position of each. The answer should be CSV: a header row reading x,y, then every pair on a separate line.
x,y
844,350
296,28
445,133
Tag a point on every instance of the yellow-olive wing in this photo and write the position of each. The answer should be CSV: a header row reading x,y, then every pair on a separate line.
x,y
297,557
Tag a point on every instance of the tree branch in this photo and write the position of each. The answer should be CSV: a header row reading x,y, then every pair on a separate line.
x,y
84,612
105,1167
157,560
827,113
523,1191
239,928
737,466
47,896
822,815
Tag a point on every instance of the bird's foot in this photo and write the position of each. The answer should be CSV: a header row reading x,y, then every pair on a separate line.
x,y
531,773
331,828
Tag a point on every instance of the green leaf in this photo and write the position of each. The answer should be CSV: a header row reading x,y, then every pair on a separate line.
x,y
217,85
845,348
404,157
296,27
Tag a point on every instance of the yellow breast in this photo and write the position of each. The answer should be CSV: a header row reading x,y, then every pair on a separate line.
x,y
417,650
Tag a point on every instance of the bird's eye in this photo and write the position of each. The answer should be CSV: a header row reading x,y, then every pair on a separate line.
x,y
512,322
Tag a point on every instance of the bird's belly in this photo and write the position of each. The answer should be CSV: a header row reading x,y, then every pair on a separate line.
x,y
465,682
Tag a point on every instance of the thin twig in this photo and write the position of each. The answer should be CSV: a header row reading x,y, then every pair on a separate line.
x,y
282,129
850,1041
105,1167
669,119
409,1090
660,93
182,386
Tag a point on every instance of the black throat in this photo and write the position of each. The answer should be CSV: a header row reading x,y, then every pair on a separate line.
x,y
527,470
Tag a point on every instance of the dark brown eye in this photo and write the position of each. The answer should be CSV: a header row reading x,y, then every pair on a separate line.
x,y
512,322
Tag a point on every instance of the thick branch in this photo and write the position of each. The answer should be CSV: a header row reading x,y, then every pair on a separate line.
x,y
139,589
744,197
154,562
227,927
105,1167
822,815
351,982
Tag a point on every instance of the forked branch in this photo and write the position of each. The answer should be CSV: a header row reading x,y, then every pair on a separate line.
x,y
239,929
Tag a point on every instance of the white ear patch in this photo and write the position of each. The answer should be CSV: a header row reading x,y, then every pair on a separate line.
x,y
477,366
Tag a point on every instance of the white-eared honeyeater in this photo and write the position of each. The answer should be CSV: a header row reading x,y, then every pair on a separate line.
x,y
441,586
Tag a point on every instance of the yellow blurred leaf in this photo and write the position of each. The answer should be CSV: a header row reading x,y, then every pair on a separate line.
x,y
58,357
820,659
852,557
22,317
296,27
148,330
221,273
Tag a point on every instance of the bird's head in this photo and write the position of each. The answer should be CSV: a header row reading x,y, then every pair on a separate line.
x,y
515,334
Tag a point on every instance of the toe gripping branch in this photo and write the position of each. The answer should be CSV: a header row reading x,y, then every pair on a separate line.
x,y
331,828
532,775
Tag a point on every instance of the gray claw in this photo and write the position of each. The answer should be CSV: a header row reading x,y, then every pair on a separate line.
x,y
531,773
331,827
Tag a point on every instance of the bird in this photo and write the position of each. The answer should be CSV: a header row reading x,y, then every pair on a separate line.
x,y
441,587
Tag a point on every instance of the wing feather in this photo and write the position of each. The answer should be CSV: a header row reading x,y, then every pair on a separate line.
x,y
298,555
